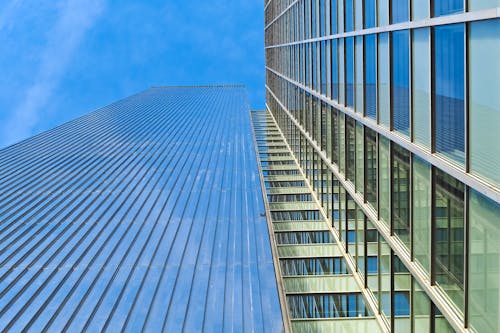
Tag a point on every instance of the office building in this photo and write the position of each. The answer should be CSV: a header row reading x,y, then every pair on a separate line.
x,y
391,111
145,215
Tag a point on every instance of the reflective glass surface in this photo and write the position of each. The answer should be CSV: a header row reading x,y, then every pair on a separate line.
x,y
448,92
370,49
384,73
400,84
349,71
400,11
421,90
448,236
484,99
446,7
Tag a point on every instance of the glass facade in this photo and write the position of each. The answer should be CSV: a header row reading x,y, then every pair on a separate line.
x,y
126,219
411,149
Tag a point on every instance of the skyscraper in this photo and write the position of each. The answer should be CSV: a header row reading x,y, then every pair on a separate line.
x,y
145,215
390,109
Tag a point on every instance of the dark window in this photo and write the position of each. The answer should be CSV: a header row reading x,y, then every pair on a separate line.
x,y
372,265
401,303
401,81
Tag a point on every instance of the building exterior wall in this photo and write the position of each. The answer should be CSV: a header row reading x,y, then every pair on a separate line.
x,y
143,216
397,103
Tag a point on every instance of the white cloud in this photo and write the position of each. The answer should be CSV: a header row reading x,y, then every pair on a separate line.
x,y
75,18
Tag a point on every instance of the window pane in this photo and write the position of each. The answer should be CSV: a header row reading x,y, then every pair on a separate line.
x,y
358,7
421,309
384,179
349,22
323,71
383,12
421,184
341,71
370,13
400,193
449,90
350,149
371,76
446,7
484,107
383,79
335,70
400,11
484,267
420,9
322,18
371,166
401,81
359,74
483,4
333,17
359,158
349,53
448,236
421,87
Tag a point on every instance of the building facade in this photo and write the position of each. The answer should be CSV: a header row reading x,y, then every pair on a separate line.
x,y
391,110
143,216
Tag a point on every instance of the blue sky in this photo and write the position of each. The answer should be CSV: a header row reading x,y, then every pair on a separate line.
x,y
62,59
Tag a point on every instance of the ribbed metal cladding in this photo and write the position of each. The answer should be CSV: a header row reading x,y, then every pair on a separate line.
x,y
146,215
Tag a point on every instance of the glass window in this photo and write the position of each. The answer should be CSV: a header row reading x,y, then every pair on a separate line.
x,y
421,309
484,99
340,16
484,269
384,179
448,236
371,76
349,65
371,166
420,9
350,149
383,12
400,193
483,4
313,266
359,74
333,17
370,13
400,101
448,91
341,71
314,19
421,87
322,68
349,22
327,306
358,7
383,79
421,184
400,11
335,70
322,18
446,7
359,158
